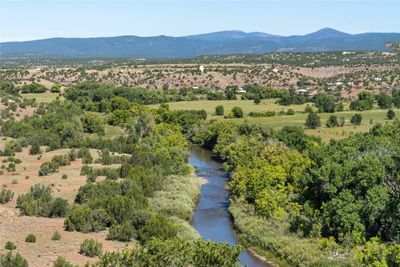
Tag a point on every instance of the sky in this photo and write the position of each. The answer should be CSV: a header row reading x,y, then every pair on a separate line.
x,y
38,19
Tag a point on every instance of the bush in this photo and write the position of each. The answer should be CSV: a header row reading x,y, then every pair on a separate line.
x,y
10,245
31,238
390,114
219,110
6,195
56,236
159,227
124,232
91,248
332,121
64,176
35,149
8,260
290,112
237,112
313,121
356,119
62,262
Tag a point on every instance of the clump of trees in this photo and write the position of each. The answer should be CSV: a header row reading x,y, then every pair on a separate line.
x,y
39,202
365,101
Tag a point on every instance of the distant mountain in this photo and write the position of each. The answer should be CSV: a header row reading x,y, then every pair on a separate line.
x,y
216,43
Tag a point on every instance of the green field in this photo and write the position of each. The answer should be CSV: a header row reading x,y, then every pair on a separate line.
x,y
42,97
369,117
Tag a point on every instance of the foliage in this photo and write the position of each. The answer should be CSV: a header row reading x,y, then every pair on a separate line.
x,y
325,102
6,195
31,238
39,202
237,112
10,245
91,248
390,114
92,123
313,121
219,110
365,101
62,262
174,252
56,236
9,260
356,119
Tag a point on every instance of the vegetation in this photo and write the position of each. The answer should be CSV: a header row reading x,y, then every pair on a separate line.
x,y
39,202
343,194
6,195
31,238
8,259
91,248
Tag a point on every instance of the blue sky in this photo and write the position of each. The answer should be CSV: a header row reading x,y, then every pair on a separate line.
x,y
37,19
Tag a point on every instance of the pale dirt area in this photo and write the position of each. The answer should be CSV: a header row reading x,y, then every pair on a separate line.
x,y
15,228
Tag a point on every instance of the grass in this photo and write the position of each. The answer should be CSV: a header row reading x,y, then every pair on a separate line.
x,y
370,117
113,131
246,105
42,97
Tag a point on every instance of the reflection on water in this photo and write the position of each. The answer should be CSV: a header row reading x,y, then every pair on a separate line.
x,y
211,217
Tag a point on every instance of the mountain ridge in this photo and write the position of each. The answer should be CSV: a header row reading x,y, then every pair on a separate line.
x,y
214,43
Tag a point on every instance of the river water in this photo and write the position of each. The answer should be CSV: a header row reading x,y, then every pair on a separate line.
x,y
211,217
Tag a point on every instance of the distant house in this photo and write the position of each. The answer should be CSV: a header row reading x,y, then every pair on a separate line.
x,y
301,91
195,87
377,79
241,90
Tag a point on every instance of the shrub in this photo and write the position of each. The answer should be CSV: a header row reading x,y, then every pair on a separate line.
x,y
56,236
64,176
332,121
35,149
6,195
390,114
290,112
356,119
219,110
62,262
8,260
10,245
91,248
31,238
313,121
157,226
237,112
124,232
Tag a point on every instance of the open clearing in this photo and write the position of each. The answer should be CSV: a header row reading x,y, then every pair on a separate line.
x,y
278,121
15,228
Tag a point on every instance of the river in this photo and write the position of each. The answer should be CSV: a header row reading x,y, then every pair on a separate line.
x,y
211,217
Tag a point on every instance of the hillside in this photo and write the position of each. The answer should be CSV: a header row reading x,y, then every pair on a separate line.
x,y
217,43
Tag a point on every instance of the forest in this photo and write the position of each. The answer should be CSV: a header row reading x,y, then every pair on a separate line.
x,y
294,198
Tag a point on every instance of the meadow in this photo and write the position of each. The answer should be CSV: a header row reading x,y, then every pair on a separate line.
x,y
278,121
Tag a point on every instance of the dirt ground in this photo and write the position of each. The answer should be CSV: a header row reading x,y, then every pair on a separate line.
x,y
15,228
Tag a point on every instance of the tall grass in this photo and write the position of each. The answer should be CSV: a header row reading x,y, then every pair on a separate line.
x,y
273,237
177,200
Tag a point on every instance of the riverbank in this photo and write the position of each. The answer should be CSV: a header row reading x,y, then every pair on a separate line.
x,y
211,217
272,240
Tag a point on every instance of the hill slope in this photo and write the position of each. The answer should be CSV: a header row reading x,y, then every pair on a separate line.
x,y
217,43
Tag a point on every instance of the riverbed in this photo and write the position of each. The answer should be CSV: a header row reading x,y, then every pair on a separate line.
x,y
211,217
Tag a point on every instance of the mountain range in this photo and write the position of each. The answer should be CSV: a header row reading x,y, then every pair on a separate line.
x,y
217,43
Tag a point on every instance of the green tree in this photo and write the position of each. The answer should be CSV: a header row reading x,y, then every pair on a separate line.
x,y
356,119
390,114
237,112
313,121
219,110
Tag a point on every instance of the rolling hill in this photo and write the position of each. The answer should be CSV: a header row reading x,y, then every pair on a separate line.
x,y
217,43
